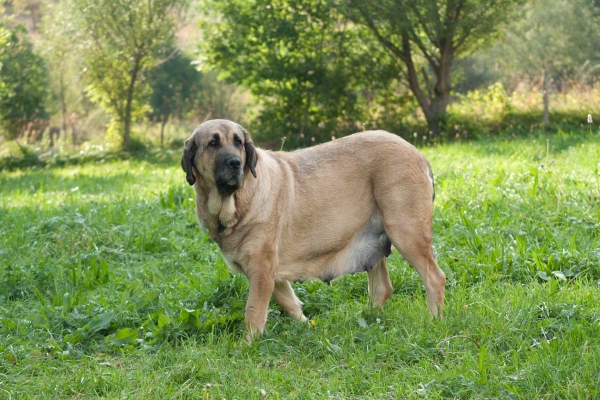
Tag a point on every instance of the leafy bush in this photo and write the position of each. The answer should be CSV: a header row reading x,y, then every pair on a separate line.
x,y
23,82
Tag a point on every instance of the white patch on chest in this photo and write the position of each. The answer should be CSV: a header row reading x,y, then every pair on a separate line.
x,y
215,202
223,206
227,213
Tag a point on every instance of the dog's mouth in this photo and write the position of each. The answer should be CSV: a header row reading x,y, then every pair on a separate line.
x,y
227,183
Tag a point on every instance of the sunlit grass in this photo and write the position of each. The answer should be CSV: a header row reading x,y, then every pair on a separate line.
x,y
108,289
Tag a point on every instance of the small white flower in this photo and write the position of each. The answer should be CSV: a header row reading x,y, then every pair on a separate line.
x,y
590,118
312,139
302,135
333,138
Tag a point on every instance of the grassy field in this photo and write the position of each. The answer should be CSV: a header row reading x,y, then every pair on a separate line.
x,y
109,290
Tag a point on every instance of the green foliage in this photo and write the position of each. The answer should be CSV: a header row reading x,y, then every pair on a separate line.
x,y
561,36
316,73
307,66
16,155
23,82
33,9
427,36
175,85
121,41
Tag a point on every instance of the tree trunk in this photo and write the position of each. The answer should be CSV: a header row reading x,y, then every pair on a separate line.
x,y
63,103
439,105
441,91
434,105
162,130
73,122
129,103
546,117
304,117
413,80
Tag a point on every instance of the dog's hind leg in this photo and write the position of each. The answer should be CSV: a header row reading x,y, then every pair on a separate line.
x,y
380,287
422,259
407,219
286,298
415,247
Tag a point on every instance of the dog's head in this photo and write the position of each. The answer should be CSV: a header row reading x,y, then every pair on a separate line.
x,y
222,153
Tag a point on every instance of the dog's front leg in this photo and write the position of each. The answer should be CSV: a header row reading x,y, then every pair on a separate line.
x,y
261,287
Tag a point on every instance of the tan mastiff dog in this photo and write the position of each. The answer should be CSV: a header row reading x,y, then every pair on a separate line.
x,y
321,212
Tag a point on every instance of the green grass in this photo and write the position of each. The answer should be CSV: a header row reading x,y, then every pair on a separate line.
x,y
108,289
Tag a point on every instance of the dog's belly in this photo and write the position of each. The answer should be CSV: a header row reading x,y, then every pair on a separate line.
x,y
366,248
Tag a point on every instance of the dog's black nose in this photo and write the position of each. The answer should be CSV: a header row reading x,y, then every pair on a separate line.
x,y
234,162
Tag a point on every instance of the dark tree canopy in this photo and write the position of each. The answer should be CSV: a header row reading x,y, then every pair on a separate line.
x,y
23,82
175,86
303,60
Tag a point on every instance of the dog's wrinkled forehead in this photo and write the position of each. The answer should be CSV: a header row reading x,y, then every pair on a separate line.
x,y
208,129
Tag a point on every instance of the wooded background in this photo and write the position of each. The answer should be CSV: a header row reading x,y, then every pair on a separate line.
x,y
141,71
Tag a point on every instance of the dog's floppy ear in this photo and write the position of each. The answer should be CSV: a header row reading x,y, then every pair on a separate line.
x,y
187,160
251,157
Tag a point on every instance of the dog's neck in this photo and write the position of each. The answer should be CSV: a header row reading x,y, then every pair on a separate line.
x,y
220,214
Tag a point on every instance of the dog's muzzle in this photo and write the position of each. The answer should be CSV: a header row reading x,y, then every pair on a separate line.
x,y
228,174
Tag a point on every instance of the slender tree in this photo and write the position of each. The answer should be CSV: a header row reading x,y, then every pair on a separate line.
x,y
34,9
65,66
121,40
555,41
426,36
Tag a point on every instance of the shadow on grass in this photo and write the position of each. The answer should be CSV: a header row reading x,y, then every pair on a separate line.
x,y
30,158
47,181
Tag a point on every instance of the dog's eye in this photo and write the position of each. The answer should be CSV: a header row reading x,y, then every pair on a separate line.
x,y
237,141
213,143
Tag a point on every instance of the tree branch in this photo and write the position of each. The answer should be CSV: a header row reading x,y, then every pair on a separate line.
x,y
413,79
171,56
432,38
389,45
427,82
469,29
431,59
